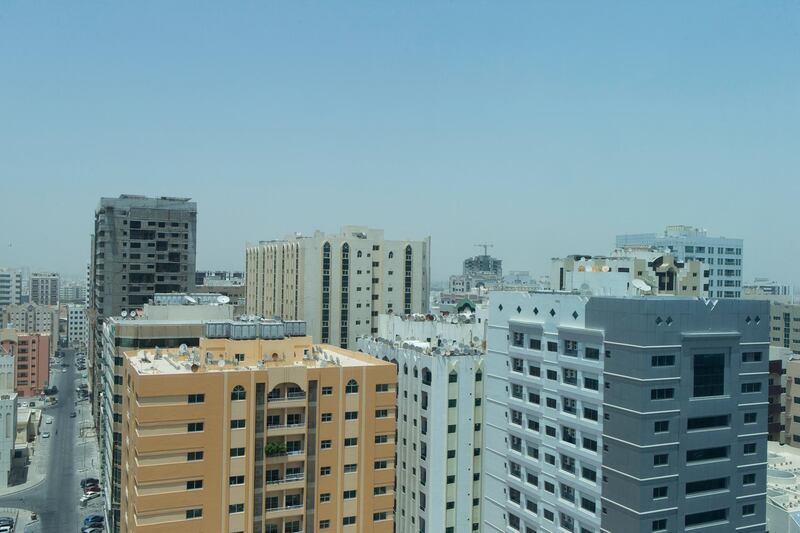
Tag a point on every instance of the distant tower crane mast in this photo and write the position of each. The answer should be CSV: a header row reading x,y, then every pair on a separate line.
x,y
485,246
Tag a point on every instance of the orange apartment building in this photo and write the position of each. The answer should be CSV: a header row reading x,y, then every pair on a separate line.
x,y
31,360
263,434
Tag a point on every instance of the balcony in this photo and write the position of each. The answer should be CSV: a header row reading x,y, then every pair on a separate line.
x,y
286,511
289,397
287,482
275,430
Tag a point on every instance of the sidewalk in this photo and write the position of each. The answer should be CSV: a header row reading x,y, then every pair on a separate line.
x,y
37,469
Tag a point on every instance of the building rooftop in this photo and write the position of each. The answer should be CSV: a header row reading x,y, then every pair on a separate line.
x,y
783,477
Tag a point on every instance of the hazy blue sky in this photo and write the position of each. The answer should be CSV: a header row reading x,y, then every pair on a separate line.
x,y
543,127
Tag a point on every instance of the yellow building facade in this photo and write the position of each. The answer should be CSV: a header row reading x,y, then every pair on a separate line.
x,y
257,436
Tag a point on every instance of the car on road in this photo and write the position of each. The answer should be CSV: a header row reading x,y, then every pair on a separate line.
x,y
89,481
6,529
46,435
48,420
6,521
63,370
93,520
73,414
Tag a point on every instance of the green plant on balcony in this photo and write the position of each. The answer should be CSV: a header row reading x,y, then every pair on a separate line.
x,y
275,448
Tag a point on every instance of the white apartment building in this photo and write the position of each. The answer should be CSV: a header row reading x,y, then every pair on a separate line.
x,y
10,287
33,318
440,405
722,255
338,283
611,415
77,327
8,416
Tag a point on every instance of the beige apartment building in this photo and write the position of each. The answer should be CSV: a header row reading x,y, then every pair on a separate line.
x,y
338,283
257,431
33,319
785,325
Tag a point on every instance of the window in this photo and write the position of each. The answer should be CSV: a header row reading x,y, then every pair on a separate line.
x,y
552,346
194,484
660,525
194,456
659,492
592,353
750,448
194,513
452,378
351,387
517,338
326,417
751,387
238,393
327,391
570,347
197,398
748,509
590,414
235,508
709,375
381,439
325,444
324,524
552,375
381,464
663,360
706,485
381,413
381,515
661,426
237,423
751,357
325,497
717,515
750,418
348,494
660,459
195,427
535,344
662,394
749,479
590,383
351,415
534,371
707,454
588,473
348,520
236,480
382,387
588,505
707,422
350,468
351,441
325,471
590,444
237,452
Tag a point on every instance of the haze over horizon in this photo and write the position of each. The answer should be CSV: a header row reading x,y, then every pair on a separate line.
x,y
537,128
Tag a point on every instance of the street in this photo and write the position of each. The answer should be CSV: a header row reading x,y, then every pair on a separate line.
x,y
56,499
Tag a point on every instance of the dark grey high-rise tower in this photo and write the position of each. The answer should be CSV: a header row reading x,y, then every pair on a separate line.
x,y
140,246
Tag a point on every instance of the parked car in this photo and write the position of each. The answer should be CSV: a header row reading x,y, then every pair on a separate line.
x,y
88,489
6,521
89,497
6,529
73,414
93,520
89,481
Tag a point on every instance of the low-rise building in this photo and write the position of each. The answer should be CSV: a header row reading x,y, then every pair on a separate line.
x,y
765,289
783,489
31,355
44,288
257,430
77,326
785,325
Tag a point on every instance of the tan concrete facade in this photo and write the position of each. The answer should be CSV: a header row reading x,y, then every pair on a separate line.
x,y
31,360
32,319
285,431
785,325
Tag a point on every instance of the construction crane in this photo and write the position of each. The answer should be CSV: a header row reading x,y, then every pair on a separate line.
x,y
485,246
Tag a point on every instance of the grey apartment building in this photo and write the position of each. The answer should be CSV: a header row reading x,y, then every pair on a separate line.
x,y
625,414
140,246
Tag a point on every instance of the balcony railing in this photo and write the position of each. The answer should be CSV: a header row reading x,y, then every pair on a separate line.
x,y
289,478
290,396
286,508
285,426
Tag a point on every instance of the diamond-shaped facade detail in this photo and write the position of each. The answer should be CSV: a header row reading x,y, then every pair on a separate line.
x,y
535,310
500,307
575,315
748,319
658,321
669,320
757,320
552,312
519,309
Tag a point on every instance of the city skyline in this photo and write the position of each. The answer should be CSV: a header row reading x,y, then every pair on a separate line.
x,y
548,138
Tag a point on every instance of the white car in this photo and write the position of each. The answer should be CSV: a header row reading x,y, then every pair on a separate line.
x,y
46,435
86,497
48,420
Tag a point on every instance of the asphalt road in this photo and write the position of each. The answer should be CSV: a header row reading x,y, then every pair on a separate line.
x,y
56,499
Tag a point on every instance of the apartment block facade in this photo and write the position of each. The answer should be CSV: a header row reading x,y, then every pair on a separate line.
x,y
257,431
338,283
31,353
722,255
10,287
33,319
439,434
785,325
77,325
140,246
44,288
625,414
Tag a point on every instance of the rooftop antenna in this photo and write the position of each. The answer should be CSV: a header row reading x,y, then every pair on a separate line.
x,y
485,246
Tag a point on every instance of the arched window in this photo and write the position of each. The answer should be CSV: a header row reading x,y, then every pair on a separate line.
x,y
351,387
453,377
478,376
238,393
405,369
391,255
426,376
416,372
358,253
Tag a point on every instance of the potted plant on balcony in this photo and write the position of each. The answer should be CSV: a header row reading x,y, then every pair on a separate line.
x,y
275,448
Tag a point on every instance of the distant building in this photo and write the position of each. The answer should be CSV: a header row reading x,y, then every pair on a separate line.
x,y
10,287
268,432
8,415
625,414
77,335
31,358
483,270
785,325
338,283
44,288
440,403
764,289
72,292
172,320
783,489
722,255
779,409
207,277
630,271
32,319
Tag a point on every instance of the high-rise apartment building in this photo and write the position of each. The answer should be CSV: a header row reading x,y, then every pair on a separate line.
x,y
785,325
10,287
722,255
77,335
338,283
31,353
33,319
72,292
140,246
44,288
625,414
259,430
173,320
439,429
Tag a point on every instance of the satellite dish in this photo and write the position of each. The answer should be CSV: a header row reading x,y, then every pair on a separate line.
x,y
223,299
641,285
183,349
124,313
606,268
221,363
